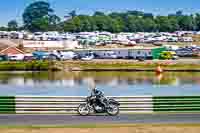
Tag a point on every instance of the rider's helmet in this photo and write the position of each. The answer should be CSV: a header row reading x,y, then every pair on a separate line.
x,y
97,92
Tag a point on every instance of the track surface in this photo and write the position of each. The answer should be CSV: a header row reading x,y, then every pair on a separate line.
x,y
121,119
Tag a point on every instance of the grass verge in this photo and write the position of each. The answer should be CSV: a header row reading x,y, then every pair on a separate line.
x,y
27,66
130,66
97,126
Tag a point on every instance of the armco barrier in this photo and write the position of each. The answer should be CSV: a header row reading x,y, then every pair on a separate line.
x,y
176,104
131,104
7,105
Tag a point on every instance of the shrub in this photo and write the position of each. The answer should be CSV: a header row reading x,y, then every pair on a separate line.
x,y
24,66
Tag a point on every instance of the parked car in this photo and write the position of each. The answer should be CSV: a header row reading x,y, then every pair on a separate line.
x,y
3,58
87,58
108,55
17,57
168,55
41,55
186,39
172,39
29,57
54,57
141,58
184,52
68,55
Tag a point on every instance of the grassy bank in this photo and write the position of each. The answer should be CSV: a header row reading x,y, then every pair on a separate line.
x,y
27,66
129,66
100,65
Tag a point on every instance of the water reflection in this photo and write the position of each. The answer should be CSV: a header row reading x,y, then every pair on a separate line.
x,y
72,79
112,83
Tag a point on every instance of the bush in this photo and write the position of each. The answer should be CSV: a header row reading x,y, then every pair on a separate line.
x,y
24,66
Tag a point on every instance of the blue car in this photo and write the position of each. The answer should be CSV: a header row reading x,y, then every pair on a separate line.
x,y
41,55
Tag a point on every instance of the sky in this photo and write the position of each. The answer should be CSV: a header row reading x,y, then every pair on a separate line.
x,y
13,9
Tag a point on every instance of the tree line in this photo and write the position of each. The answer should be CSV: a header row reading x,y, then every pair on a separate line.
x,y
39,16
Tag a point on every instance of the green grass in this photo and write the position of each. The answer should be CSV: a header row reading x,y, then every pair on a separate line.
x,y
135,65
45,66
24,66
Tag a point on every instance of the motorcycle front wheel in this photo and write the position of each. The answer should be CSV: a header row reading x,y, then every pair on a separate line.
x,y
113,110
83,109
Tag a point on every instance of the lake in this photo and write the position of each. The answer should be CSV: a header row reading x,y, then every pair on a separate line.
x,y
112,83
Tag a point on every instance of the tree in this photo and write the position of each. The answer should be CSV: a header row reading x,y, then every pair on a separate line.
x,y
117,15
73,25
174,24
69,26
12,25
73,14
117,25
98,13
92,23
197,21
41,24
179,13
3,28
149,25
37,13
131,23
135,13
77,23
54,23
85,23
186,22
140,25
164,24
103,22
148,15
39,16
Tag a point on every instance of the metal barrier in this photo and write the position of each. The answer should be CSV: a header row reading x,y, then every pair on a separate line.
x,y
176,104
131,104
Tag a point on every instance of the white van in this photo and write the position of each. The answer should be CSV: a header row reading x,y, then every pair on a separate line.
x,y
108,55
60,55
68,55
16,57
186,39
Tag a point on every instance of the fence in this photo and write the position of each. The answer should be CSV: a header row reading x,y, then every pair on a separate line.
x,y
131,104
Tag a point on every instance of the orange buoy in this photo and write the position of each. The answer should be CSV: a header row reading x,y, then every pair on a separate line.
x,y
159,76
159,70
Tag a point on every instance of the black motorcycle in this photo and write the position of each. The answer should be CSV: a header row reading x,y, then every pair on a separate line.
x,y
98,103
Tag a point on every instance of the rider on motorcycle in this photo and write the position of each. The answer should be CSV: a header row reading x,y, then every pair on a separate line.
x,y
100,96
98,103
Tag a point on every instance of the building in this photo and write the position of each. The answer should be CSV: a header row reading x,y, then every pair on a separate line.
x,y
127,53
11,51
44,45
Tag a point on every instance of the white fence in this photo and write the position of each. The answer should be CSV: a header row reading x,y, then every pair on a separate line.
x,y
26,104
131,104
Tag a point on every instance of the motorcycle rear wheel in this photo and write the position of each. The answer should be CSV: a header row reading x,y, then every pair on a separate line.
x,y
83,109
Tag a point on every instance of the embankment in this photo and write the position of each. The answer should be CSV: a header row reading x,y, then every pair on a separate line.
x,y
110,65
27,66
101,65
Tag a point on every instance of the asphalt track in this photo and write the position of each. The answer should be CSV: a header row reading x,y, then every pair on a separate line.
x,y
100,119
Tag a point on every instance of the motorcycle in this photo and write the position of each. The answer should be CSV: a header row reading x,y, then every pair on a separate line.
x,y
98,103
